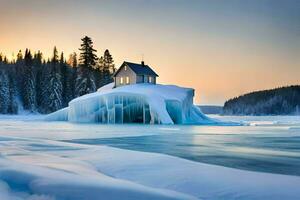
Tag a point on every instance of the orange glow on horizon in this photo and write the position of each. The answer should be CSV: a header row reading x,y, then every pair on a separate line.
x,y
221,54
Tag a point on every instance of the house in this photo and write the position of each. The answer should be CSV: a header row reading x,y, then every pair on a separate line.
x,y
133,73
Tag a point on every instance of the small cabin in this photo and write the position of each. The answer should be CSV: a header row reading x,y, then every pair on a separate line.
x,y
133,73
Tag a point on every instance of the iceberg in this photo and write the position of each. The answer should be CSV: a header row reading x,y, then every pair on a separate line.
x,y
138,103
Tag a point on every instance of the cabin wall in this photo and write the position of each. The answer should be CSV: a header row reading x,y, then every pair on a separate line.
x,y
154,79
125,73
140,79
147,79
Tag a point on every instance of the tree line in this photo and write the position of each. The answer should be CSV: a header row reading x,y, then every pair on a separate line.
x,y
279,101
35,84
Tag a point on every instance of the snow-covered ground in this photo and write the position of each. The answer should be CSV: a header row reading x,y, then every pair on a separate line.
x,y
35,164
262,120
39,169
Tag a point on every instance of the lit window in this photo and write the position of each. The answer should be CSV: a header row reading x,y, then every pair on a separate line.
x,y
121,80
125,68
150,79
127,80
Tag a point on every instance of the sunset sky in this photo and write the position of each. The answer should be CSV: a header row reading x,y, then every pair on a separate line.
x,y
220,48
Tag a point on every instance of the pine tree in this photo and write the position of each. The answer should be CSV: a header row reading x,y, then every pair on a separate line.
x,y
55,88
108,67
20,73
29,92
70,79
87,58
46,91
52,88
67,80
72,61
54,58
98,73
38,68
85,81
4,92
5,60
14,95
109,61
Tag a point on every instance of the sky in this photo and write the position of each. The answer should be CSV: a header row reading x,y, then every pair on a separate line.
x,y
222,49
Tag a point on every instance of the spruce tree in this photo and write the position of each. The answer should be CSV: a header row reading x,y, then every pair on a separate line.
x,y
87,58
72,61
67,80
46,91
98,73
29,92
85,81
55,88
4,92
19,67
108,67
38,68
14,95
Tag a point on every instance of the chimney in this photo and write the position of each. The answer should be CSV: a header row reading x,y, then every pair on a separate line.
x,y
143,63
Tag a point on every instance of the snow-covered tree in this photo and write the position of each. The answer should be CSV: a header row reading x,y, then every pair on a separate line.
x,y
55,92
14,94
67,76
38,68
55,84
36,85
278,101
51,96
29,84
4,92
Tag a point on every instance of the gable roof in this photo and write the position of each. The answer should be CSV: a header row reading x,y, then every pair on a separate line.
x,y
138,69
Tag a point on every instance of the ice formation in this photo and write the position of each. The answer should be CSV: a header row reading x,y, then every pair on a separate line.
x,y
139,103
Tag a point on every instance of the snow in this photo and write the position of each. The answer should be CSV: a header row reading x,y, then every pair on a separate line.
x,y
36,165
59,170
261,120
143,103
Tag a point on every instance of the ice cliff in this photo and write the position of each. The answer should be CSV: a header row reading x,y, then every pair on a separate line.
x,y
139,103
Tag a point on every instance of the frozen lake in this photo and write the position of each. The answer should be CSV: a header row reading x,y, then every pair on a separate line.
x,y
268,144
274,149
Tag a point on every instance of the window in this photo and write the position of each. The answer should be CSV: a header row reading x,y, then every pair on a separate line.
x,y
127,80
125,68
150,79
121,80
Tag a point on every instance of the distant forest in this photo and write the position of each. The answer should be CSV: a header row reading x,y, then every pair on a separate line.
x,y
32,83
279,101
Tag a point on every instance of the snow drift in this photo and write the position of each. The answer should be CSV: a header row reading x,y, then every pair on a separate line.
x,y
139,103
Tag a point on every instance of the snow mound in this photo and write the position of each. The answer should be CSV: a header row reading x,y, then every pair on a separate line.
x,y
139,103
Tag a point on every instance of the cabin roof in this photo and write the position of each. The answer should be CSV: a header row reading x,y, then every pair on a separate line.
x,y
138,69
